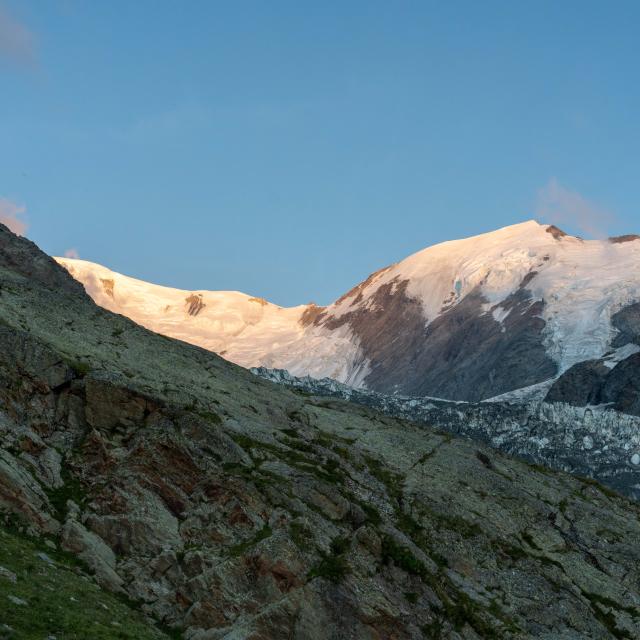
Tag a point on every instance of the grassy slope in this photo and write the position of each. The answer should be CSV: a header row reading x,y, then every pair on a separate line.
x,y
61,600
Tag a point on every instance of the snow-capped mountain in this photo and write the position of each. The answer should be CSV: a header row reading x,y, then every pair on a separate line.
x,y
467,319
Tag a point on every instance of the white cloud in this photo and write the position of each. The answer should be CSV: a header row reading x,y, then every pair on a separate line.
x,y
12,215
17,42
559,205
71,253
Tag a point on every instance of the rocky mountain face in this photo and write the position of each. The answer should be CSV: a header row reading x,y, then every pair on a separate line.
x,y
596,442
463,320
601,381
225,506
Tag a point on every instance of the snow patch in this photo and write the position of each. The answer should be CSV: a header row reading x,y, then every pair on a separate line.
x,y
500,314
620,354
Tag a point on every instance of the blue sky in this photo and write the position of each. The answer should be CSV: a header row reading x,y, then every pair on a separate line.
x,y
287,149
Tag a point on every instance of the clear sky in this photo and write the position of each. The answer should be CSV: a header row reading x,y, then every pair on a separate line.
x,y
287,149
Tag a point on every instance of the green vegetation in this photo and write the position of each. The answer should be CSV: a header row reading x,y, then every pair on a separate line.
x,y
210,416
563,504
333,566
433,629
528,538
455,523
330,472
328,441
457,607
239,549
610,493
372,514
340,545
512,551
297,454
72,489
426,456
60,602
402,557
301,535
409,526
604,609
392,481
295,443
80,367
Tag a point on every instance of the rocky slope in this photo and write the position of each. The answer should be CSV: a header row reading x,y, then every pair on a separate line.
x,y
465,320
597,442
229,507
47,593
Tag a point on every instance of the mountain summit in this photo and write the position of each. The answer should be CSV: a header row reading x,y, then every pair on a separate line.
x,y
465,320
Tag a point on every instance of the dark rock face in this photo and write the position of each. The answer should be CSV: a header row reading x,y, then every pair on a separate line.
x,y
23,257
592,382
356,292
391,331
470,356
310,314
464,354
626,238
232,508
580,385
627,322
622,386
556,232
194,304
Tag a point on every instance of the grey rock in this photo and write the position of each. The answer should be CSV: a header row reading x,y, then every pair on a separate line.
x,y
92,550
44,557
593,383
627,322
24,258
21,494
463,354
5,574
597,442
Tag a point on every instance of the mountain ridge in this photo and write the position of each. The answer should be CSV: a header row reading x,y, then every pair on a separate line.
x,y
465,319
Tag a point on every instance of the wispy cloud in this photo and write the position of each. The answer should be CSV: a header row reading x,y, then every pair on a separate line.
x,y
559,205
71,253
17,42
12,215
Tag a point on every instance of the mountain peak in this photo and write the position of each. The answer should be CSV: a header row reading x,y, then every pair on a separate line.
x,y
465,319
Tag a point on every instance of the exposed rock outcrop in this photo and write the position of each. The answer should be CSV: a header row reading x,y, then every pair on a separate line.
x,y
630,237
594,383
195,304
465,353
598,442
627,322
